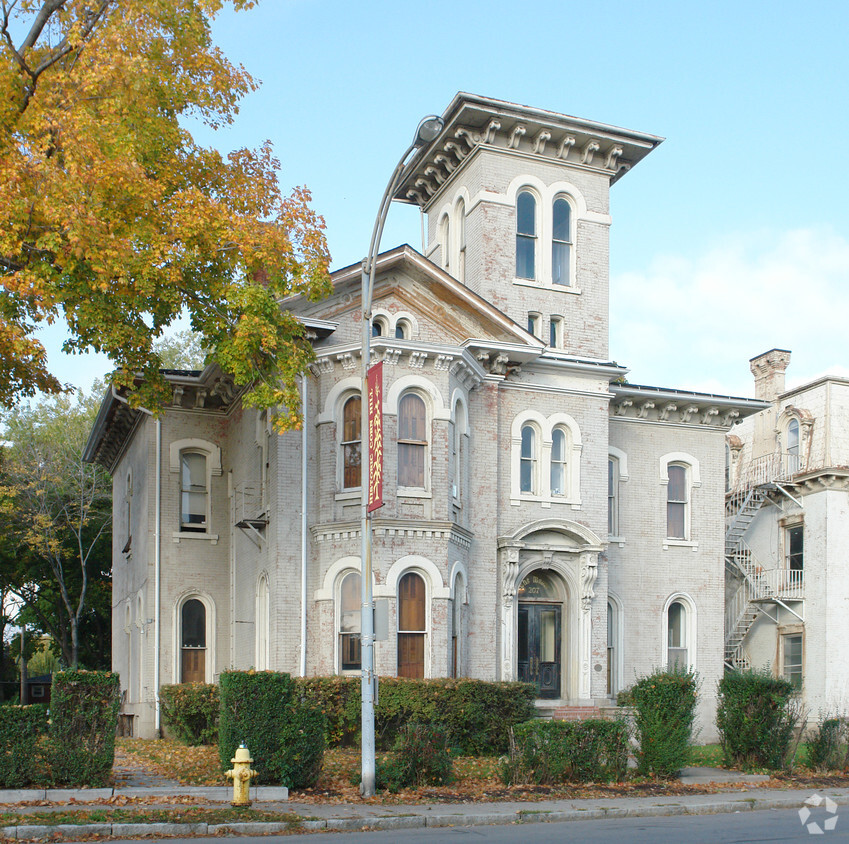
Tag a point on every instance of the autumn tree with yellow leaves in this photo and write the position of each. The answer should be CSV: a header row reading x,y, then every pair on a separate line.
x,y
114,219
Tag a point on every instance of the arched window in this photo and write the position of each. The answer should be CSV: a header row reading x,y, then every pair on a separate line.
x,y
534,322
526,235
677,654
412,625
457,633
528,461
379,326
561,242
402,330
792,456
612,648
677,502
262,624
194,492
458,451
558,462
461,240
555,332
351,433
193,642
445,242
412,441
350,614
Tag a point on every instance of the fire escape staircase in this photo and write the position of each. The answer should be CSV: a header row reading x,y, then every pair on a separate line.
x,y
755,589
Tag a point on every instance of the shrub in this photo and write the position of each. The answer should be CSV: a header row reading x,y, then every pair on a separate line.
x,y
557,751
84,708
755,719
420,757
664,710
828,745
298,763
190,712
254,708
21,727
474,714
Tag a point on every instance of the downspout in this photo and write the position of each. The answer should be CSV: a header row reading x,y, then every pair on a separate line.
x,y
157,558
304,444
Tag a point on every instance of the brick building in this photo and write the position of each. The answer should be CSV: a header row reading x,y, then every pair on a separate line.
x,y
544,519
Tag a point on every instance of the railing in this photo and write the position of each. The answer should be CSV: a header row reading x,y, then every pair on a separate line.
x,y
769,468
783,583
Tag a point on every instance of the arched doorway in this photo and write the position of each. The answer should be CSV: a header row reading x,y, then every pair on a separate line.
x,y
539,642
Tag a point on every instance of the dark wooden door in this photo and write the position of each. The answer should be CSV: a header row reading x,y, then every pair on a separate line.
x,y
538,648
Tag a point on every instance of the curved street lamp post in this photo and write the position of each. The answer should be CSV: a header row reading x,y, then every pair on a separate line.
x,y
427,131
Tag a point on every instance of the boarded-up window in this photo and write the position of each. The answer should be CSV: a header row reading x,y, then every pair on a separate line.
x,y
412,625
351,434
193,642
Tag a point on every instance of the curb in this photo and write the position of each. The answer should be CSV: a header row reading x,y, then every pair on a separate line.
x,y
213,793
70,832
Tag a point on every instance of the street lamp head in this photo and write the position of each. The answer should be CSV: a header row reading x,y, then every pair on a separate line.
x,y
428,130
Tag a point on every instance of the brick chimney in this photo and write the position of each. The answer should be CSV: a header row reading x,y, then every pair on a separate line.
x,y
768,370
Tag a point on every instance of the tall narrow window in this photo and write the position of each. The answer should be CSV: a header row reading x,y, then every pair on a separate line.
x,y
458,451
558,462
349,622
677,656
461,241
792,646
526,235
561,242
351,433
612,657
677,501
533,324
795,539
792,457
457,626
555,332
193,642
194,493
528,460
612,496
412,441
445,242
727,468
412,625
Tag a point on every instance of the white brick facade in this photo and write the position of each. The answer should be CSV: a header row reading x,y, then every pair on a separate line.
x,y
515,480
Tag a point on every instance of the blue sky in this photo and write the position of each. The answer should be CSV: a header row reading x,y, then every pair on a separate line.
x,y
731,238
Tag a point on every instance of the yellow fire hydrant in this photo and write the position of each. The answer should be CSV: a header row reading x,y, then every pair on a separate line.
x,y
241,774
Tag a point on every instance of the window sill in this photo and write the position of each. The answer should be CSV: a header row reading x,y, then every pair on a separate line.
x,y
545,502
350,495
680,543
541,285
209,537
412,492
616,540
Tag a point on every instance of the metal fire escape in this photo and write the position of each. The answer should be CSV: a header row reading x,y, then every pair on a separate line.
x,y
764,482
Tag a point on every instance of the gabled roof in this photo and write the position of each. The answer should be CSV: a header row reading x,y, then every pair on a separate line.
x,y
433,293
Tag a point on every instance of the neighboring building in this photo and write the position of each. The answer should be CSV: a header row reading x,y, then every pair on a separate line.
x,y
788,512
543,520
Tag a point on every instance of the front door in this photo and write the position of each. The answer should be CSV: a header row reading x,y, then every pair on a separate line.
x,y
539,647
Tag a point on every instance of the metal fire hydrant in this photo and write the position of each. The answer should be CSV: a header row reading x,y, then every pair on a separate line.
x,y
241,774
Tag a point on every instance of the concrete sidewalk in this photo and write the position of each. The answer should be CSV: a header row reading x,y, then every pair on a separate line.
x,y
310,817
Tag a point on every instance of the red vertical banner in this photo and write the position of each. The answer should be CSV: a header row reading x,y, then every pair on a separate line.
x,y
374,384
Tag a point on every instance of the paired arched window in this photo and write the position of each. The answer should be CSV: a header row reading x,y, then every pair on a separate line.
x,y
194,492
526,235
559,460
677,646
351,443
402,330
412,625
350,614
528,461
677,502
561,241
193,642
412,441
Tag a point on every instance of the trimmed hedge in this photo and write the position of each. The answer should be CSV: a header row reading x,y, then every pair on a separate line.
x,y
298,764
593,750
21,727
84,707
190,712
755,719
254,711
474,714
664,710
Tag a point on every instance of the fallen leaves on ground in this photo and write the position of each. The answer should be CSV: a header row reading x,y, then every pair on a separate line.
x,y
186,765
